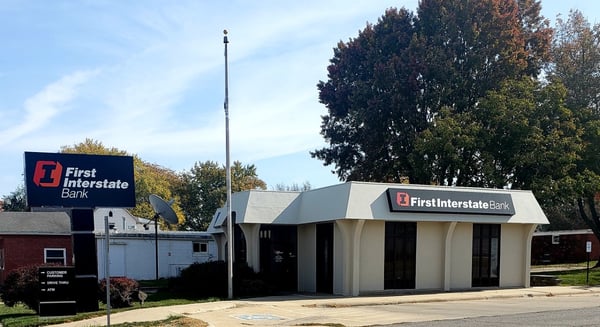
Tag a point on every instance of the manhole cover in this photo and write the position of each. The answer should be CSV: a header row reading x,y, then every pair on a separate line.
x,y
259,317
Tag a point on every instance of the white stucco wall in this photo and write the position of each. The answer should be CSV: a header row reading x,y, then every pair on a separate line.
x,y
372,256
430,255
512,247
307,242
461,260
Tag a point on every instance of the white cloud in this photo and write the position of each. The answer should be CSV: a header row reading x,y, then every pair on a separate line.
x,y
40,109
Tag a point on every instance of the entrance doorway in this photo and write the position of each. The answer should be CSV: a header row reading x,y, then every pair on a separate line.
x,y
279,256
324,257
400,255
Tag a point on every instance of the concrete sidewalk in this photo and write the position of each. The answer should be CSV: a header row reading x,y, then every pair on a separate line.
x,y
294,310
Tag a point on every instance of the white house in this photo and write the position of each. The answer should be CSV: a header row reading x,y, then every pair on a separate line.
x,y
132,247
359,238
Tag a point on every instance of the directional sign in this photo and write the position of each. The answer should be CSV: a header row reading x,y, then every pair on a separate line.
x,y
57,291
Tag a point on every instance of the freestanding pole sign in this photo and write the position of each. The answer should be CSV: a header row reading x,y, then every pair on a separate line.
x,y
79,183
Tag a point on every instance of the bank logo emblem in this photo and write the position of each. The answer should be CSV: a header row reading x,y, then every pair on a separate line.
x,y
403,199
47,173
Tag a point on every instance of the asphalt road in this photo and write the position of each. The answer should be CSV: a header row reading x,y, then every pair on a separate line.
x,y
580,310
571,317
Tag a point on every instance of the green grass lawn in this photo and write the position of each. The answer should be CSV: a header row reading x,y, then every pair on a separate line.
x,y
578,277
21,316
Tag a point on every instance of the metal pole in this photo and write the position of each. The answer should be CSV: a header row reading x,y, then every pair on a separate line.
x,y
107,267
228,178
156,245
588,249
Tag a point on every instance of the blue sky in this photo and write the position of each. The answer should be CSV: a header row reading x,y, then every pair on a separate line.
x,y
147,77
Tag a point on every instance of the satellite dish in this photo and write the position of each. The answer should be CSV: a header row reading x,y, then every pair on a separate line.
x,y
163,209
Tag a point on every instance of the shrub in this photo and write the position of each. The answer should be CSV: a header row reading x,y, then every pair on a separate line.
x,y
122,291
208,279
22,286
246,282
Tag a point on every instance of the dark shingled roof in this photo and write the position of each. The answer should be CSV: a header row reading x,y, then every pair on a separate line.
x,y
35,223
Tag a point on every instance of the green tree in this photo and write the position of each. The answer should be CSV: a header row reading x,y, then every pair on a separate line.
x,y
520,136
576,63
391,83
469,47
15,201
203,190
576,58
149,178
371,98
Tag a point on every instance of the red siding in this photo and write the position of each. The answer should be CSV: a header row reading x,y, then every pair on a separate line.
x,y
25,250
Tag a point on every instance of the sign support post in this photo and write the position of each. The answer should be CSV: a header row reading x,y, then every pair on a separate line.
x,y
588,250
107,267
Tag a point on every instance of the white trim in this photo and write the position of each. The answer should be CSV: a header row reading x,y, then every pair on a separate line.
x,y
64,256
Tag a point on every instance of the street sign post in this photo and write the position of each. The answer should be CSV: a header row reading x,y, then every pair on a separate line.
x,y
588,250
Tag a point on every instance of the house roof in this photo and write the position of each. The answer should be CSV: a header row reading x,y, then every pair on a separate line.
x,y
360,200
34,223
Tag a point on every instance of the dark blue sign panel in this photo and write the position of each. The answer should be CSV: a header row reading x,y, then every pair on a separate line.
x,y
441,201
79,180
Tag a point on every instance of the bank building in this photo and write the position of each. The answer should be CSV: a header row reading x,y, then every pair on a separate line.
x,y
359,238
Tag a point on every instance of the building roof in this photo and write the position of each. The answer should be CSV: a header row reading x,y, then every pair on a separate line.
x,y
34,223
360,200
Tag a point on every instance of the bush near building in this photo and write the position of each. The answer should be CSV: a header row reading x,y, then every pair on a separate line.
x,y
209,279
123,291
22,286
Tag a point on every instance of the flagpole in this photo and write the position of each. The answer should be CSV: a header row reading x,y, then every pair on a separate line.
x,y
230,221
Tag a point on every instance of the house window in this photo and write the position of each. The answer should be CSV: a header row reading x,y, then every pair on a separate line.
x,y
555,239
1,259
58,256
199,247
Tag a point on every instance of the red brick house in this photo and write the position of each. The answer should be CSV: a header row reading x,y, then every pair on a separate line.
x,y
28,238
566,246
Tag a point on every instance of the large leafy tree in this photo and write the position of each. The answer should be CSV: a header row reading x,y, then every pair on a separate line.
x,y
203,190
576,58
371,97
576,63
149,178
520,136
401,75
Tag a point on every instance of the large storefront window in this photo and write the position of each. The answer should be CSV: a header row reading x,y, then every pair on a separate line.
x,y
400,255
486,255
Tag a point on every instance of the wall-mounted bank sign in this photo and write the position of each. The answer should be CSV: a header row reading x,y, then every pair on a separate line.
x,y
79,180
411,200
